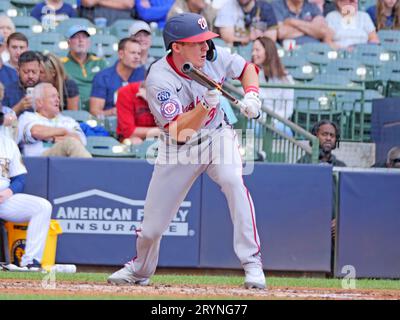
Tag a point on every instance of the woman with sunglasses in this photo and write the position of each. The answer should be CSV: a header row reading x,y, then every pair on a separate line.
x,y
350,26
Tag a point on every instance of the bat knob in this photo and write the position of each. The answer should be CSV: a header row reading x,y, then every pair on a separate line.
x,y
187,67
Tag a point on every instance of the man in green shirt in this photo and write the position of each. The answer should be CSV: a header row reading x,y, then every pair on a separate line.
x,y
81,65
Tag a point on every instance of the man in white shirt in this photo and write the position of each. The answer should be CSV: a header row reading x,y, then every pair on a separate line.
x,y
46,132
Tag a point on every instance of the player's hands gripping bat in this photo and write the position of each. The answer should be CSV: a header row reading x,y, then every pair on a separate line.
x,y
250,106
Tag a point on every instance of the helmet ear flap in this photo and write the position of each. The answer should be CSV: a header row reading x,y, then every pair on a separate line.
x,y
212,51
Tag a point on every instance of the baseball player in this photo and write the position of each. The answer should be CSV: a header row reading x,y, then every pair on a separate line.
x,y
18,207
196,139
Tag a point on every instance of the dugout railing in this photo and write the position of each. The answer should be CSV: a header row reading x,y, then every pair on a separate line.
x,y
286,137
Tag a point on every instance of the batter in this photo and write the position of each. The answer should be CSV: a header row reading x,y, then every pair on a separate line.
x,y
196,139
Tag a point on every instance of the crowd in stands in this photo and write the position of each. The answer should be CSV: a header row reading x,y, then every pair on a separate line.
x,y
86,81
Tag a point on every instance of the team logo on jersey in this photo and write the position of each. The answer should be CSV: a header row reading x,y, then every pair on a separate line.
x,y
202,22
163,96
169,109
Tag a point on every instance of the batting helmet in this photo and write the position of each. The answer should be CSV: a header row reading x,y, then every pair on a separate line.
x,y
189,27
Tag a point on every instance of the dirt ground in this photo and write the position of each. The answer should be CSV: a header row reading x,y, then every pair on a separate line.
x,y
65,288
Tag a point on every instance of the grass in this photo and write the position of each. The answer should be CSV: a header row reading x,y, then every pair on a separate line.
x,y
177,279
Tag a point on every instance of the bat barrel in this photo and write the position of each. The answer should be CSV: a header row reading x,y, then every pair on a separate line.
x,y
187,68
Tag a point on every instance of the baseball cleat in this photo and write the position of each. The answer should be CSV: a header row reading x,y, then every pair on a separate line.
x,y
126,276
254,278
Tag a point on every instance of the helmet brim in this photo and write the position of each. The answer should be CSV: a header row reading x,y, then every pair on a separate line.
x,y
200,37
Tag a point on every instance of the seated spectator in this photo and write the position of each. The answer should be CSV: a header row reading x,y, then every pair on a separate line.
x,y
107,82
52,12
111,10
7,27
325,6
196,6
328,134
18,207
385,14
265,55
47,132
242,21
17,95
300,20
349,26
8,119
81,65
7,75
393,158
141,32
54,73
135,121
17,44
153,11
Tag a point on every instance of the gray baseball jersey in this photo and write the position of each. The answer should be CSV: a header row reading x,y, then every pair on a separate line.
x,y
170,93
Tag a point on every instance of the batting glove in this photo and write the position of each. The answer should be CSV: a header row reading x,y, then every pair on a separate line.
x,y
251,105
211,98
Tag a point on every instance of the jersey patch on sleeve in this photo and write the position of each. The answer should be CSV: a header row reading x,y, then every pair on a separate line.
x,y
163,96
169,109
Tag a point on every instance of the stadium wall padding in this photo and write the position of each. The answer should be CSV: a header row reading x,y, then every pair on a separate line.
x,y
99,203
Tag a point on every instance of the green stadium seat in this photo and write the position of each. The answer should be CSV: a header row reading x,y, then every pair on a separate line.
x,y
120,28
108,43
64,25
393,86
7,9
27,25
147,149
157,52
25,6
157,42
78,115
319,54
331,79
372,56
107,147
48,42
390,40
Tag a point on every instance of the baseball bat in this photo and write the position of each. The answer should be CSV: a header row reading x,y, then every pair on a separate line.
x,y
203,79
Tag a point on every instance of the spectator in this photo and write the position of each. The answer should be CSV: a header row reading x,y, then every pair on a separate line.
x,y
17,44
17,95
196,6
325,6
265,55
300,20
385,14
47,132
7,74
349,26
135,121
111,10
81,65
18,207
52,71
106,83
153,10
242,21
141,32
7,27
328,134
52,12
8,119
393,158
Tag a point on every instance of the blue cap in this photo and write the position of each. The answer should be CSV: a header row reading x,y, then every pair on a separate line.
x,y
75,29
187,27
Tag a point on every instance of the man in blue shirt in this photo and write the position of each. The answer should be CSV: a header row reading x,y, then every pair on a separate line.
x,y
16,94
300,20
106,83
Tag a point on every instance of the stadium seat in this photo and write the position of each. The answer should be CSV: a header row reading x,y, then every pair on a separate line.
x,y
27,25
157,42
7,9
393,86
372,56
4,250
24,6
147,149
100,146
120,28
331,79
64,25
47,42
390,41
78,115
319,54
157,52
108,43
